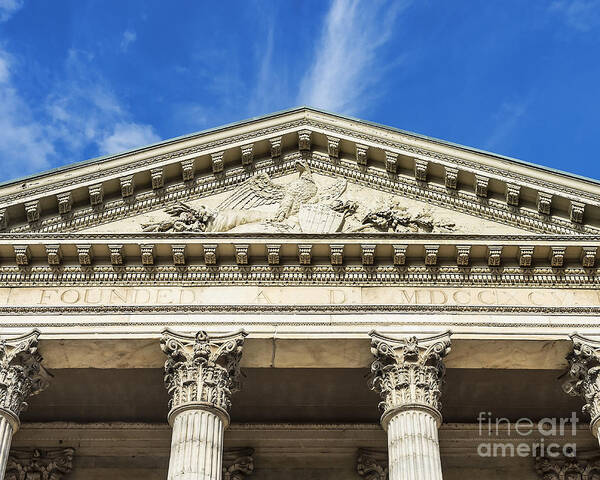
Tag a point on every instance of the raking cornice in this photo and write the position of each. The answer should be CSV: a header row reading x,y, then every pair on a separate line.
x,y
487,186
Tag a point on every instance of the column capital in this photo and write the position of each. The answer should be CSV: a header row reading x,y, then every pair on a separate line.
x,y
202,371
39,464
584,376
372,464
408,373
567,468
237,463
21,375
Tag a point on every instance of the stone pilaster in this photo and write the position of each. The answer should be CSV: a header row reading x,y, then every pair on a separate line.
x,y
567,468
21,375
39,464
584,377
201,374
408,374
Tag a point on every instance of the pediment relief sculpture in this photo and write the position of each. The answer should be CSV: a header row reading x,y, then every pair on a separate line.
x,y
303,205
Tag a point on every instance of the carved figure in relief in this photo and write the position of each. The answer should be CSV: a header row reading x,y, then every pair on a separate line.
x,y
399,219
299,206
260,205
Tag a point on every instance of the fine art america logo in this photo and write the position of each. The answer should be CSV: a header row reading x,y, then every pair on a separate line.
x,y
526,438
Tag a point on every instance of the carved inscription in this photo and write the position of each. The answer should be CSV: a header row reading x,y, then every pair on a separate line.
x,y
254,295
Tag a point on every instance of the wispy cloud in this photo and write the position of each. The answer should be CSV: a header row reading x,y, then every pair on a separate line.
x,y
263,95
346,56
129,36
23,143
582,15
507,120
84,111
127,135
8,8
81,115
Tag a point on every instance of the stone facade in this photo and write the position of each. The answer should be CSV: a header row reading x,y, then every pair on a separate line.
x,y
283,277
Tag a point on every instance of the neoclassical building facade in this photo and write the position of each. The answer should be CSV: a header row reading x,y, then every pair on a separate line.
x,y
300,296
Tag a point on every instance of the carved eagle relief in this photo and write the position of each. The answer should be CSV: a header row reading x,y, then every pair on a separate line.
x,y
260,205
242,207
260,190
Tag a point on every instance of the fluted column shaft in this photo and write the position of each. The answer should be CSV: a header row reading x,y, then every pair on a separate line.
x,y
413,446
196,446
408,374
201,373
6,433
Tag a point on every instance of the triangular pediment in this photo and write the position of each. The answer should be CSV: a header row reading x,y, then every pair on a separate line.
x,y
359,177
337,206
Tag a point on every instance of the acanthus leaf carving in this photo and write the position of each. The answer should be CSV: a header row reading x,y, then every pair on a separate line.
x,y
202,369
372,464
275,147
21,374
568,468
237,463
127,186
409,372
65,202
247,154
584,377
39,464
333,146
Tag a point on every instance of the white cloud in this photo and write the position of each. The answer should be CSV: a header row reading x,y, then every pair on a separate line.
x,y
4,67
81,114
85,111
126,136
129,37
346,60
582,15
507,120
263,93
8,8
23,143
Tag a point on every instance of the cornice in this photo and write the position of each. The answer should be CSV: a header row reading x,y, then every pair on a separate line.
x,y
153,161
318,275
297,259
33,237
405,146
561,211
492,209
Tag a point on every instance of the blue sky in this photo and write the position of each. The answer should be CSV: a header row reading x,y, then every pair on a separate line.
x,y
84,78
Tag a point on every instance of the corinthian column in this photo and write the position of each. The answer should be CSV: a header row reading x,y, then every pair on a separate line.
x,y
408,374
584,377
20,377
201,373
